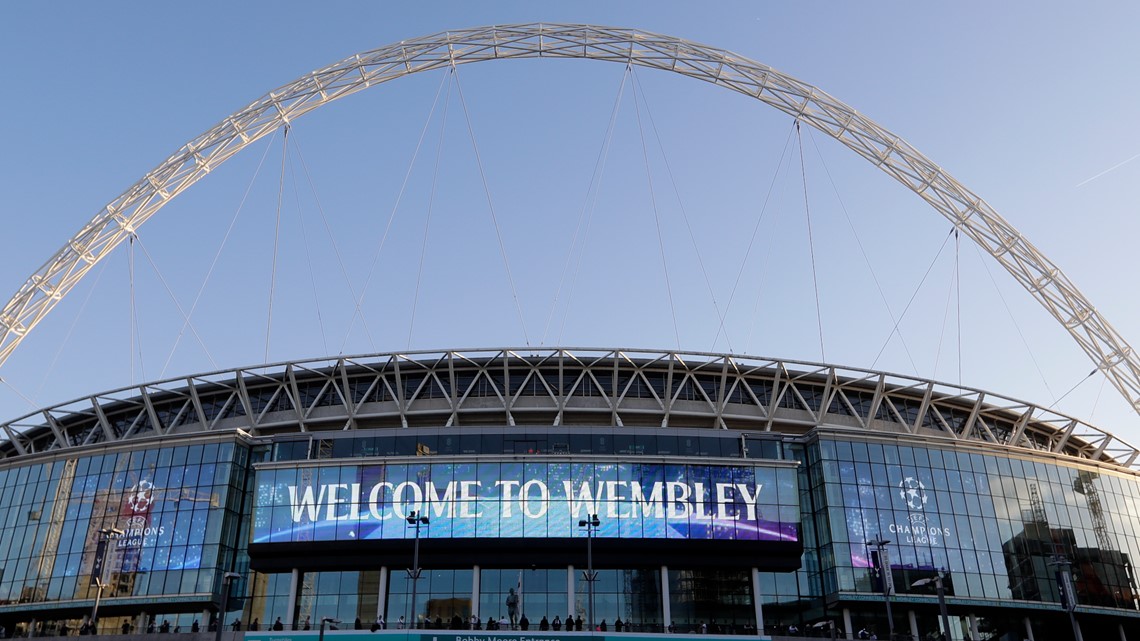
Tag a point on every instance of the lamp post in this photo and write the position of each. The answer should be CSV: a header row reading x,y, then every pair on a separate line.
x,y
1068,593
415,519
937,581
227,584
325,620
887,579
105,535
591,524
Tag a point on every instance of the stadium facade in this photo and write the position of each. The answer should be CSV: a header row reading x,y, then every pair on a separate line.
x,y
737,493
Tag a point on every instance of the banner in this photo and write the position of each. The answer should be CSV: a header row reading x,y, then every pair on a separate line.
x,y
520,500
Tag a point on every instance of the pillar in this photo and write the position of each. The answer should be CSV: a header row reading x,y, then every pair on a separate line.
x,y
910,617
382,594
475,591
1120,628
666,605
973,626
847,633
571,605
294,586
1029,630
757,601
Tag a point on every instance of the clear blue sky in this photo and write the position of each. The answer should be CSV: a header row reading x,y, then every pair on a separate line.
x,y
1028,104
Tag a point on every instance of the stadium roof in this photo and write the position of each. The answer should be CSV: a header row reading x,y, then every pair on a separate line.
x,y
557,387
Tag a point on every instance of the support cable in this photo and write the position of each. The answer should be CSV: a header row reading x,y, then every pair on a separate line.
x,y
780,166
911,301
859,244
332,240
391,218
430,209
136,340
958,295
656,215
217,256
491,207
811,246
276,241
585,214
27,400
942,331
1073,388
305,239
70,330
174,299
721,329
1096,401
1032,354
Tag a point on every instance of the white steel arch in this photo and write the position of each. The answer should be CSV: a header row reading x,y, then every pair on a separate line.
x,y
966,210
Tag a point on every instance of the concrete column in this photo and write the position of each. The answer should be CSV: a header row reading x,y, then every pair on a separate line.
x,y
757,601
847,632
1029,630
571,583
382,593
1120,627
294,586
973,626
475,591
910,616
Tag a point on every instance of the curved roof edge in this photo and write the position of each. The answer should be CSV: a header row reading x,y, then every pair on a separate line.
x,y
558,386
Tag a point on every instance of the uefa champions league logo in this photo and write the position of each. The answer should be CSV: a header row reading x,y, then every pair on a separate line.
x,y
913,492
141,496
916,529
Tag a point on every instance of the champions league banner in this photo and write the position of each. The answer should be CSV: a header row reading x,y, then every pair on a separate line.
x,y
527,500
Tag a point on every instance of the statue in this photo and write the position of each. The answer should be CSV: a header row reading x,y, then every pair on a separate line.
x,y
513,607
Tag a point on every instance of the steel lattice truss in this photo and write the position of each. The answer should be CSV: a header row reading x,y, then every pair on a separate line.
x,y
968,212
558,387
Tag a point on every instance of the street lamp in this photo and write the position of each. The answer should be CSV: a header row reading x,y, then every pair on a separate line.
x,y
325,620
1068,593
105,535
227,583
937,581
887,578
591,524
415,519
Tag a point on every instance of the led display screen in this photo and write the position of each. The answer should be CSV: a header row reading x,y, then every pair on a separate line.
x,y
527,500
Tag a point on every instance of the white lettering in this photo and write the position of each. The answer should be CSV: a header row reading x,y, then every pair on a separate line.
x,y
468,499
307,502
374,499
749,501
439,504
334,501
679,494
399,501
507,496
723,499
543,498
651,504
584,499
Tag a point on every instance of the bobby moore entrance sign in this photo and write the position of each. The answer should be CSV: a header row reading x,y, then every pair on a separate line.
x,y
513,499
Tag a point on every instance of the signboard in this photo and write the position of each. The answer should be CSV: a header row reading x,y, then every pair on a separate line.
x,y
524,500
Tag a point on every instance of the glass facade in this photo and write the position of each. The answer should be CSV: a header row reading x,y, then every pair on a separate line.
x,y
992,524
314,531
157,524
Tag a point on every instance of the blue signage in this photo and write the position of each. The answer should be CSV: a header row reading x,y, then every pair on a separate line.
x,y
527,500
